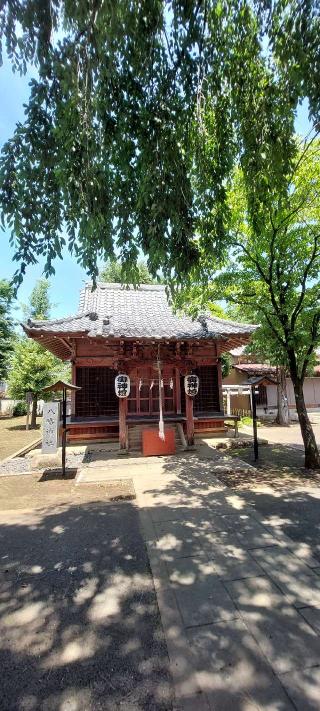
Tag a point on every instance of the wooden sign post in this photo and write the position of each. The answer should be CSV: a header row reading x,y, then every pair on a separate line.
x,y
28,401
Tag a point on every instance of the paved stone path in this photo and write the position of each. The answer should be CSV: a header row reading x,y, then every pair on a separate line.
x,y
286,435
239,601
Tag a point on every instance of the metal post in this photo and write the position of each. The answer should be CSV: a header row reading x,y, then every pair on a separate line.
x,y
254,423
64,430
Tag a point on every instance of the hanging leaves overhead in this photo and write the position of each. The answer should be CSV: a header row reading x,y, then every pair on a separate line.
x,y
114,154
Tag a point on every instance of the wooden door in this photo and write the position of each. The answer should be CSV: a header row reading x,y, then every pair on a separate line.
x,y
144,392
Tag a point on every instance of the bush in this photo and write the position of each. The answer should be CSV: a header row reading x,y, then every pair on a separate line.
x,y
19,409
248,421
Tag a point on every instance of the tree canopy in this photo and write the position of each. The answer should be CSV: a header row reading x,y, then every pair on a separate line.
x,y
272,272
7,335
137,117
31,366
39,306
113,272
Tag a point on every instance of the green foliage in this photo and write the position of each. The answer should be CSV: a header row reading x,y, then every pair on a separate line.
x,y
248,421
39,306
113,272
20,409
32,369
6,326
137,118
226,363
272,277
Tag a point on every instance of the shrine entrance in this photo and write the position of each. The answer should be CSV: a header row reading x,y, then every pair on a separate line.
x,y
144,392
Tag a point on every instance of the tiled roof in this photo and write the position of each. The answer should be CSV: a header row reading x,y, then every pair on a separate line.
x,y
256,368
114,311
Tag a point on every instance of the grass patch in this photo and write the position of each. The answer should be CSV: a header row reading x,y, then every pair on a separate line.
x,y
248,422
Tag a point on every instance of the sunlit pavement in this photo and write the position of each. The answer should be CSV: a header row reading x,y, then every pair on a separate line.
x,y
286,435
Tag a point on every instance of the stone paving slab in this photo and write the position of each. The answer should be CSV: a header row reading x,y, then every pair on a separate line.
x,y
202,603
298,582
234,563
312,616
172,547
194,534
187,571
251,534
232,670
284,637
283,558
302,551
191,528
303,687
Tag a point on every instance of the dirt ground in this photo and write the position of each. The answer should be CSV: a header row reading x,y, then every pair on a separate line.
x,y
43,490
279,467
13,435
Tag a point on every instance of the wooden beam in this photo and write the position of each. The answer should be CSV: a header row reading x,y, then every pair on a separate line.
x,y
65,343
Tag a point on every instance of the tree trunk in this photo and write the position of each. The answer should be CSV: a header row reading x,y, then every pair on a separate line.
x,y
33,424
311,452
282,398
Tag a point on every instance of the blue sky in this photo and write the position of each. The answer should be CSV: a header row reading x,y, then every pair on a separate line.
x,y
69,277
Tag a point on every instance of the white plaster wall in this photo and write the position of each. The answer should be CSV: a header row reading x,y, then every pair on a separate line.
x,y
311,391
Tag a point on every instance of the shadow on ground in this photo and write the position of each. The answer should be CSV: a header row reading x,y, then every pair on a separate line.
x,y
249,605
80,628
15,428
297,513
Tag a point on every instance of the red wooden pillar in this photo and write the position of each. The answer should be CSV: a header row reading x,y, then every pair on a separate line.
x,y
190,423
178,392
219,380
123,422
73,394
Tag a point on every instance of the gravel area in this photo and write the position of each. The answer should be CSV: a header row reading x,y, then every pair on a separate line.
x,y
14,466
21,465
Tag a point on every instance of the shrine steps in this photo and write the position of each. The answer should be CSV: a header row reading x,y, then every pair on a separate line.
x,y
135,435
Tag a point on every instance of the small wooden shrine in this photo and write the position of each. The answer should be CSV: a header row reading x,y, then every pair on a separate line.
x,y
135,334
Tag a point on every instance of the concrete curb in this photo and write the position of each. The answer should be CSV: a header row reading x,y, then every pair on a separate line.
x,y
24,450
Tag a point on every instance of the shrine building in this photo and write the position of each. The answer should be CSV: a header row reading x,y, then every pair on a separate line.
x,y
134,333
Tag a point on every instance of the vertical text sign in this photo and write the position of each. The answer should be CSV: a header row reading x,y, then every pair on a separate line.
x,y
50,434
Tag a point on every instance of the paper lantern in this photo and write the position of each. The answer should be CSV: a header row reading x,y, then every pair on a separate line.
x,y
122,385
191,385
